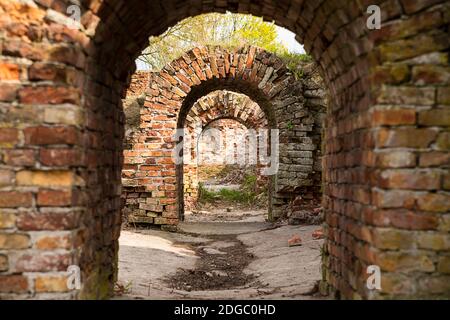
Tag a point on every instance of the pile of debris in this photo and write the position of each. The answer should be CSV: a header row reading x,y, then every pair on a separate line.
x,y
305,211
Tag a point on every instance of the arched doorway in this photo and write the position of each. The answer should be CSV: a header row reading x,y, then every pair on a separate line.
x,y
378,107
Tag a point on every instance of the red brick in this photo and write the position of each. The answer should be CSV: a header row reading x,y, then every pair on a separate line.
x,y
12,199
434,202
46,71
8,92
13,284
9,135
52,135
31,221
48,95
43,262
54,198
20,157
410,179
405,137
403,219
9,71
394,117
60,157
430,159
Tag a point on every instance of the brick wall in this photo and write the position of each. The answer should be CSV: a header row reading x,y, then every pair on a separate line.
x,y
278,103
138,84
385,162
221,110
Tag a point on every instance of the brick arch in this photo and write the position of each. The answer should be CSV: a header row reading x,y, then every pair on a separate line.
x,y
223,104
172,96
386,151
226,104
215,106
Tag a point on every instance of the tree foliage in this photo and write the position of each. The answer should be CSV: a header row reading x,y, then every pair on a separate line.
x,y
227,30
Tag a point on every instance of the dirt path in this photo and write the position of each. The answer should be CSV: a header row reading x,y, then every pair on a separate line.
x,y
245,258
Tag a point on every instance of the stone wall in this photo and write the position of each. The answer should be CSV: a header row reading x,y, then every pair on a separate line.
x,y
385,160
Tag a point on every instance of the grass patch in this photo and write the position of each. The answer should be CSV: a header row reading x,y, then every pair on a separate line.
x,y
248,193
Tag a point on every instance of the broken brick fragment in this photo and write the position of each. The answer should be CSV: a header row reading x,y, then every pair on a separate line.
x,y
295,241
318,234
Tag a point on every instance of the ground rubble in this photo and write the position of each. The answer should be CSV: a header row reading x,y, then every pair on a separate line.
x,y
247,258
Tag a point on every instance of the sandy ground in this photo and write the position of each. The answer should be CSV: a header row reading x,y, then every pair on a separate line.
x,y
155,264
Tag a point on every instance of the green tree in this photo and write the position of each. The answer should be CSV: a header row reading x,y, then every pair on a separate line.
x,y
228,30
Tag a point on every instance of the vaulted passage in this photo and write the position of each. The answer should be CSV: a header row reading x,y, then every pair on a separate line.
x,y
385,145
176,99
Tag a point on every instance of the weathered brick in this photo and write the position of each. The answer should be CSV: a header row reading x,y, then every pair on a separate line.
x,y
435,117
403,219
435,202
50,242
68,115
397,284
47,71
394,116
14,241
393,239
13,284
51,284
18,157
392,74
444,264
412,6
8,136
410,179
434,285
407,95
4,264
7,220
9,71
398,261
48,95
430,74
443,95
45,178
413,46
54,198
61,157
406,137
8,91
6,177
47,221
393,199
443,141
42,262
11,199
52,135
430,159
396,159
434,241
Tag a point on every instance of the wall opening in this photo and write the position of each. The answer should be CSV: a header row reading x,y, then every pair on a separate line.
x,y
385,158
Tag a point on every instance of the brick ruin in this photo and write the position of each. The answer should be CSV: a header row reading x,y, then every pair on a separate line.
x,y
385,148
182,96
232,114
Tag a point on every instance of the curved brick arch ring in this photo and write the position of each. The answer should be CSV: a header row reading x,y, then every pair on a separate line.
x,y
386,184
223,104
171,97
205,113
